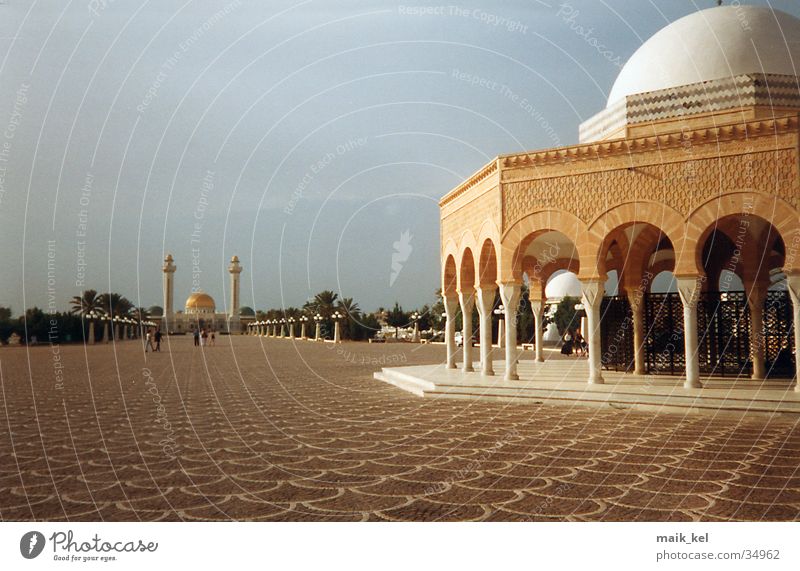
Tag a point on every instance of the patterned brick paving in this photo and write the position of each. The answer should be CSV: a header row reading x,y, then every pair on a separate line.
x,y
269,430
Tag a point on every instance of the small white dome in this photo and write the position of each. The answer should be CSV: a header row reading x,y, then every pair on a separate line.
x,y
713,44
563,284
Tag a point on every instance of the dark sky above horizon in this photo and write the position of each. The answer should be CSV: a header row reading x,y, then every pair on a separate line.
x,y
311,139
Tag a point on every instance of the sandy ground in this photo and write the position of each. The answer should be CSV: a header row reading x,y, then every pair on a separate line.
x,y
276,430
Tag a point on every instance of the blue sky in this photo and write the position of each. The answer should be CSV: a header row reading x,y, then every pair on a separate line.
x,y
305,137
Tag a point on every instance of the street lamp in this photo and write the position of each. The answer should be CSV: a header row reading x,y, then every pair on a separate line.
x,y
317,332
500,312
415,335
283,327
337,337
291,327
303,321
91,316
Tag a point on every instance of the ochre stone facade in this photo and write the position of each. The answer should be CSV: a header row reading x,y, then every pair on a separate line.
x,y
676,175
695,180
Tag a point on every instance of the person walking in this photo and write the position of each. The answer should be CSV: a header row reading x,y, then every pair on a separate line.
x,y
158,340
580,344
148,342
196,335
213,338
566,348
204,338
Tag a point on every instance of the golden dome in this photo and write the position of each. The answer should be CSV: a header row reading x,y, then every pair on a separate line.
x,y
200,301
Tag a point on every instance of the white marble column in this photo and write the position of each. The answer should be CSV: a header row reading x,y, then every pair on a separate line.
x,y
636,301
593,291
756,297
90,336
501,333
793,285
450,309
337,336
485,299
689,288
318,332
509,293
537,308
467,301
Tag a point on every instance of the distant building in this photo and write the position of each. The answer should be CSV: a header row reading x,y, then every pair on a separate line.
x,y
200,310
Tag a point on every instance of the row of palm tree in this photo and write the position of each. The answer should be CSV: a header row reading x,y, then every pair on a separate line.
x,y
108,304
326,303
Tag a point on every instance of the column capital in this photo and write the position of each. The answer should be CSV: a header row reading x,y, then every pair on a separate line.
x,y
485,298
467,300
689,289
510,293
592,292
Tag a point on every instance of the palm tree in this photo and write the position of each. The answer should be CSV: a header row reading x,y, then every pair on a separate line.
x,y
114,304
324,303
349,307
140,314
86,303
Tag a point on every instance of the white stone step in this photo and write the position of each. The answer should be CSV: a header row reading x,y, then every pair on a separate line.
x,y
405,381
559,384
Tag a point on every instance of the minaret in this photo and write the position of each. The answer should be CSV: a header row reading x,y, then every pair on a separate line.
x,y
233,311
169,310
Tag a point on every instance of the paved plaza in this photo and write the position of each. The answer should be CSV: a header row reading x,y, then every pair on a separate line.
x,y
271,429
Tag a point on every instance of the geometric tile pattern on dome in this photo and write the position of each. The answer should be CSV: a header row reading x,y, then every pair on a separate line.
x,y
270,430
748,90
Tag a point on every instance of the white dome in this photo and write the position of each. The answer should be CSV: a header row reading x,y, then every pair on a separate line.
x,y
713,44
563,284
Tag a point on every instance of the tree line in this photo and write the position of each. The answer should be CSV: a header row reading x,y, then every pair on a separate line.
x,y
357,325
63,327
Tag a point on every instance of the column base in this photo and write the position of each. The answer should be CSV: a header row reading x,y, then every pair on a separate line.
x,y
597,381
487,373
692,384
513,377
468,369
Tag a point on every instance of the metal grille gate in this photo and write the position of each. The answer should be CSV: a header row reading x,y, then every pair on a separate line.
x,y
617,338
663,333
779,334
723,324
723,332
